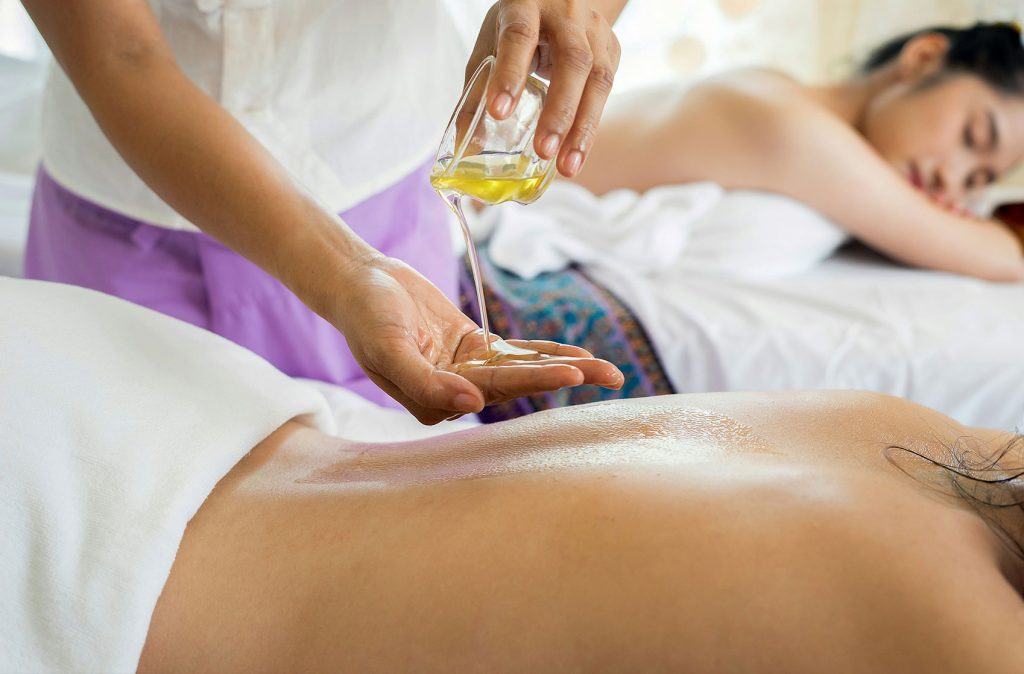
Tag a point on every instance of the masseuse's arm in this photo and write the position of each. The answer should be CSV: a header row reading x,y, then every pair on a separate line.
x,y
201,161
576,50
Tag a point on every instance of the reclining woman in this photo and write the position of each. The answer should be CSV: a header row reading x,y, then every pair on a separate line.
x,y
793,532
891,154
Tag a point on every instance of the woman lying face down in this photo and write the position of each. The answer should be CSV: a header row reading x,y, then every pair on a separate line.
x,y
163,495
893,154
784,532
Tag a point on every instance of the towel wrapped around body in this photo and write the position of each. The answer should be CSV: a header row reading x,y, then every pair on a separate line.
x,y
115,424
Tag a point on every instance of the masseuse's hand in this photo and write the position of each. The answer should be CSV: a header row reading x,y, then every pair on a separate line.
x,y
575,49
408,337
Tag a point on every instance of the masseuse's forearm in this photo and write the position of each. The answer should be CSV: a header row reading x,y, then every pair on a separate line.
x,y
189,150
203,163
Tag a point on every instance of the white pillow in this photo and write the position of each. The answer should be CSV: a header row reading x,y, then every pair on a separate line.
x,y
759,235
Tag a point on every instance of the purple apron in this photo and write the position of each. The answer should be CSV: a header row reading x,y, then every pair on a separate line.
x,y
192,277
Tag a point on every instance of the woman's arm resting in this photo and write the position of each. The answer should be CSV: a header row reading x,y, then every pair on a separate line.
x,y
836,172
792,147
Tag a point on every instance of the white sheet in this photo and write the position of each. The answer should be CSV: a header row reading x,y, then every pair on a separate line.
x,y
15,198
116,424
856,321
21,85
360,420
692,228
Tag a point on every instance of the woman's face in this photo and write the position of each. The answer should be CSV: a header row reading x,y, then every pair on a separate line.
x,y
949,135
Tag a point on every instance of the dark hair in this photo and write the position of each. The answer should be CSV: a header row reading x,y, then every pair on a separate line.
x,y
991,483
992,51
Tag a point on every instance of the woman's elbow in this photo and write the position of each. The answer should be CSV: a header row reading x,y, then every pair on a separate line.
x,y
1008,270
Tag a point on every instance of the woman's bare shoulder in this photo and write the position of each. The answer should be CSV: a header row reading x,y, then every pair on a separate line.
x,y
754,78
765,111
765,86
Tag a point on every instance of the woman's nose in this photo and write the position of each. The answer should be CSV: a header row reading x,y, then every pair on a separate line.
x,y
949,181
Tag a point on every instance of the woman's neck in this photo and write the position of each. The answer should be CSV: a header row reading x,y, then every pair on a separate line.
x,y
850,99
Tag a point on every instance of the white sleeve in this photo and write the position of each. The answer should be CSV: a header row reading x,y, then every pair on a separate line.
x,y
115,424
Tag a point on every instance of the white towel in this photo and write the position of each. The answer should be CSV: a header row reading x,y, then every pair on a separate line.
x,y
15,201
693,228
115,425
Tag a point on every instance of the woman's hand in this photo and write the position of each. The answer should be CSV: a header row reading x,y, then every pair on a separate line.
x,y
574,47
409,337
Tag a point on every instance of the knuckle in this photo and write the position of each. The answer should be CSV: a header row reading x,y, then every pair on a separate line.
x,y
561,118
520,32
508,78
497,389
578,57
584,133
502,393
602,77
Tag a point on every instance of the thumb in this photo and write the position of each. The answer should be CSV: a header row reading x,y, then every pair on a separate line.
x,y
421,382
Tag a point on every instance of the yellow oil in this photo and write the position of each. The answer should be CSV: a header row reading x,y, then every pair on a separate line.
x,y
491,178
501,352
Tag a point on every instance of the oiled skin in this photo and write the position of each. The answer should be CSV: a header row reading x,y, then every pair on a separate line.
x,y
705,533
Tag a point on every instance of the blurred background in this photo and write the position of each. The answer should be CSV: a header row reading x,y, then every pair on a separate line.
x,y
815,40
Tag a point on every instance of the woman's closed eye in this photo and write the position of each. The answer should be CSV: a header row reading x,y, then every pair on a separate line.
x,y
981,133
969,141
981,136
979,178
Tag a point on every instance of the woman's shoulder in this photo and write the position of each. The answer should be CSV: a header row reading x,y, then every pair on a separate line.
x,y
756,77
764,112
763,89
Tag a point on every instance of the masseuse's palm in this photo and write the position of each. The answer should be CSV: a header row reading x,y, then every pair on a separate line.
x,y
409,338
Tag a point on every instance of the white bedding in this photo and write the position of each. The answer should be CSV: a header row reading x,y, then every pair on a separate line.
x,y
115,424
745,303
15,197
857,321
854,321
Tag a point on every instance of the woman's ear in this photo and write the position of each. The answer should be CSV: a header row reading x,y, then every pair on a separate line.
x,y
923,56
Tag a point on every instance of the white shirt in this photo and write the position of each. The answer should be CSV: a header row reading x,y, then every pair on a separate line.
x,y
349,95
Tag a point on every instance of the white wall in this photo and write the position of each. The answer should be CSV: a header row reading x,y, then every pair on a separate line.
x,y
812,39
815,40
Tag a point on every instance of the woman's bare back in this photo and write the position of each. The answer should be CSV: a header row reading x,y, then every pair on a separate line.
x,y
729,532
681,132
758,129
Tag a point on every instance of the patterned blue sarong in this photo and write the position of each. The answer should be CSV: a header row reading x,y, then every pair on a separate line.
x,y
567,307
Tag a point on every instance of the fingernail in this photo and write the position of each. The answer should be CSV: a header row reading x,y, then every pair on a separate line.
x,y
614,381
574,161
550,145
465,402
503,104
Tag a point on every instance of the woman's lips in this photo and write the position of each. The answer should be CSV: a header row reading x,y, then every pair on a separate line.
x,y
914,176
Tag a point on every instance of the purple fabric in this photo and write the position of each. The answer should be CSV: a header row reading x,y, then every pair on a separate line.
x,y
192,277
